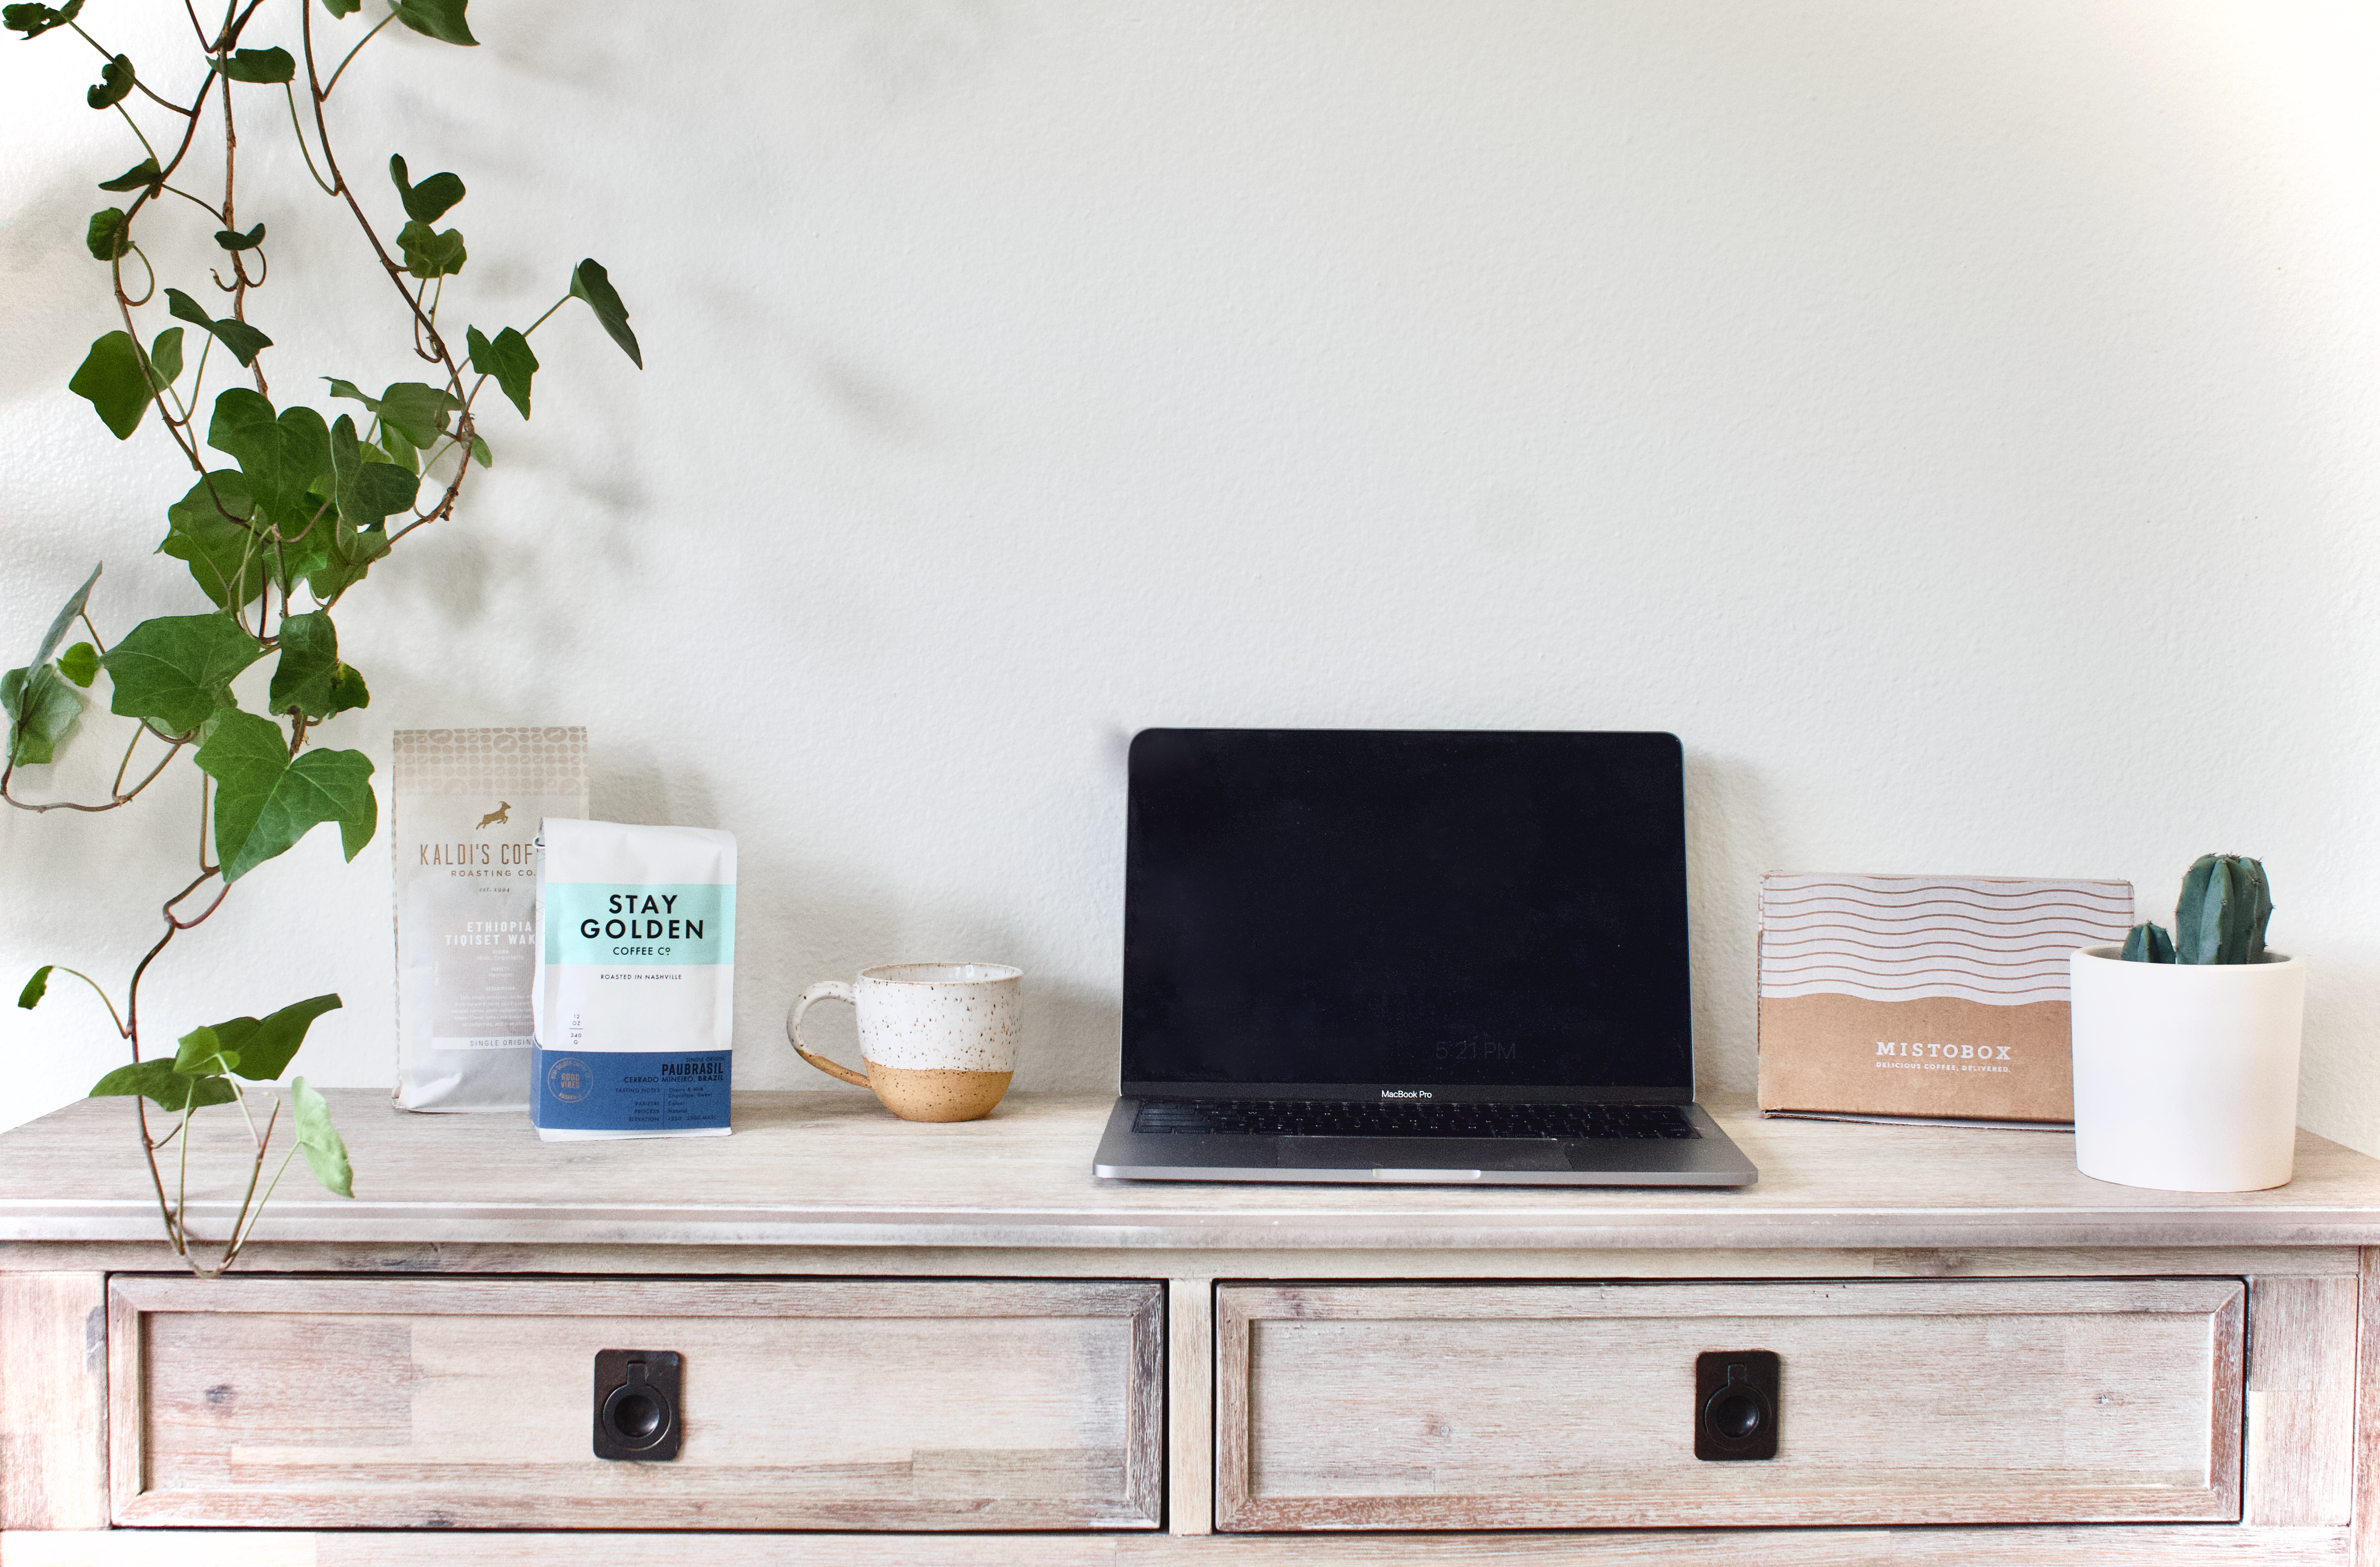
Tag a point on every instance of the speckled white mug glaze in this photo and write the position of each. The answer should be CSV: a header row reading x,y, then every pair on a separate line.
x,y
939,1039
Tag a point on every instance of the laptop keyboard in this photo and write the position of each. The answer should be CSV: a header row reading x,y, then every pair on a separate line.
x,y
1328,1118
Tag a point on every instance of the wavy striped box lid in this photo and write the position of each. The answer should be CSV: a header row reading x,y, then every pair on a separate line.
x,y
1925,997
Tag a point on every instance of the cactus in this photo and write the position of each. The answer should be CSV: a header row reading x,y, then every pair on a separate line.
x,y
2148,943
2225,903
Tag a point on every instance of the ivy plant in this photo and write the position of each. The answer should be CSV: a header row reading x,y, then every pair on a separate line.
x,y
289,508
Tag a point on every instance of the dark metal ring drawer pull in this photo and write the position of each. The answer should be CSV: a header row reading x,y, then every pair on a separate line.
x,y
636,1405
1735,1397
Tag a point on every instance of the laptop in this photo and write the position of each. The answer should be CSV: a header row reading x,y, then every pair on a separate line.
x,y
1434,956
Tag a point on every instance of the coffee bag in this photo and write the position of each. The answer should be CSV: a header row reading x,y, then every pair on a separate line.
x,y
463,809
636,981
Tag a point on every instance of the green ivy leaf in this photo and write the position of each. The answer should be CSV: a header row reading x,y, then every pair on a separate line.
x,y
115,80
395,450
428,202
441,19
35,20
142,175
265,802
67,615
382,490
348,690
310,656
233,239
306,677
35,987
369,491
112,379
165,358
341,563
282,456
177,669
342,7
109,237
243,340
480,452
326,1156
202,1055
259,65
428,254
591,283
507,358
43,710
176,1091
262,1047
369,488
80,664
336,557
415,411
419,412
225,559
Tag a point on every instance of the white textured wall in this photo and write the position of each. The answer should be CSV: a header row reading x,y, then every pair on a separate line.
x,y
1952,419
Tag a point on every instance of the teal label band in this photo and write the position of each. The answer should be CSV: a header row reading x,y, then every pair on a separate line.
x,y
628,925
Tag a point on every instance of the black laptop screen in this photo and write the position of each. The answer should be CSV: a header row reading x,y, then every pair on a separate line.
x,y
1325,907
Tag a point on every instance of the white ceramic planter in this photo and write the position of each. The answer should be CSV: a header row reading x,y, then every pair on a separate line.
x,y
2185,1074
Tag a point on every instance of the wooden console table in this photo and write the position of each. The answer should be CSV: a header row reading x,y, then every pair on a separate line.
x,y
951,1345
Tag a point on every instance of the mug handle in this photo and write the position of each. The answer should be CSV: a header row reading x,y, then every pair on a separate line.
x,y
824,990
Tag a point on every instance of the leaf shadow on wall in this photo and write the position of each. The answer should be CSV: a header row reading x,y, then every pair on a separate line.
x,y
912,49
1072,1038
48,277
1731,837
627,783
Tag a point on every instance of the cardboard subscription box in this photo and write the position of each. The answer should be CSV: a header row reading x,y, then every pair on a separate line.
x,y
1925,998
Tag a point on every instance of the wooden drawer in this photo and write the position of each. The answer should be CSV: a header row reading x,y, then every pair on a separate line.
x,y
864,1404
1366,1406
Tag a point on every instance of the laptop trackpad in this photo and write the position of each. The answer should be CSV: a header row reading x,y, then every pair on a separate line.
x,y
1404,1154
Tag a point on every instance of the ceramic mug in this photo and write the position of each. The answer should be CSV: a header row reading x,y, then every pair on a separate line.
x,y
939,1039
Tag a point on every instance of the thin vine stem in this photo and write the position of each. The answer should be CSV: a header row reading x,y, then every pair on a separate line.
x,y
151,292
105,54
438,350
157,1176
136,128
244,1224
199,201
119,798
299,131
98,991
325,94
270,537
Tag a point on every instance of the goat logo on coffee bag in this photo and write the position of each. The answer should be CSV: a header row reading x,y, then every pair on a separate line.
x,y
1934,997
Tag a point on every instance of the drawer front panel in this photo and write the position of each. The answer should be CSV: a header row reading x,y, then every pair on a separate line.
x,y
865,1405
1356,1406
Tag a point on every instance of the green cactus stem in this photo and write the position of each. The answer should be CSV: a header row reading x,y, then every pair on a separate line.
x,y
2148,943
2225,903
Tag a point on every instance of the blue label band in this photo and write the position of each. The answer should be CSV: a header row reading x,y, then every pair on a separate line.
x,y
638,925
631,1090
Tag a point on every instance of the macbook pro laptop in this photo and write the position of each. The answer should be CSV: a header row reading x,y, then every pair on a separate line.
x,y
1409,956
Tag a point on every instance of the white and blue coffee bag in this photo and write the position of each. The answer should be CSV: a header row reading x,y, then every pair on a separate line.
x,y
636,981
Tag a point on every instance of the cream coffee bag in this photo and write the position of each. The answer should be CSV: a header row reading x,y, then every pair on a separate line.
x,y
463,809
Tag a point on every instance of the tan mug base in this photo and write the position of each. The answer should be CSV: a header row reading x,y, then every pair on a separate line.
x,y
920,1093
